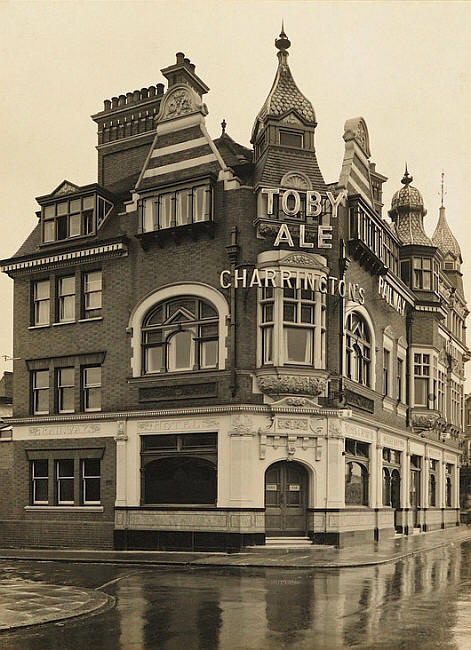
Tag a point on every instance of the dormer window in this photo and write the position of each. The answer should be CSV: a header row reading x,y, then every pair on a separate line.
x,y
291,139
74,217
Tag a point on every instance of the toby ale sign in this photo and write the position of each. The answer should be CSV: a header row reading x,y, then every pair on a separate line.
x,y
291,203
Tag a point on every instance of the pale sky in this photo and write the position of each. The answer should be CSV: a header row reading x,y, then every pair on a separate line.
x,y
403,66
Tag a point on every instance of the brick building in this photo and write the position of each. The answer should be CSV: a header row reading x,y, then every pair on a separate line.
x,y
214,347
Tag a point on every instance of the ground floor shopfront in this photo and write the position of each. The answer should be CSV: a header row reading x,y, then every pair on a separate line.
x,y
224,478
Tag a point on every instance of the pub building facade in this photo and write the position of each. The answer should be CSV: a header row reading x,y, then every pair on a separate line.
x,y
215,348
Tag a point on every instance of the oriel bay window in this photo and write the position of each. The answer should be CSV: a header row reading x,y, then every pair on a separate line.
x,y
179,469
292,323
180,334
175,208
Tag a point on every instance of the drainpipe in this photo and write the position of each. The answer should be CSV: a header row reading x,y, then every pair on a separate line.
x,y
344,263
233,253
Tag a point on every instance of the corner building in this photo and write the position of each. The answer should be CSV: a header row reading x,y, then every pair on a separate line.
x,y
214,347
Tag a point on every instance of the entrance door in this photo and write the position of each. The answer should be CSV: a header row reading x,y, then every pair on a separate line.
x,y
286,499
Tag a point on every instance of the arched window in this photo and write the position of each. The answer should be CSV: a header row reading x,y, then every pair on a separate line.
x,y
386,487
177,480
395,489
448,496
358,349
180,334
356,484
432,490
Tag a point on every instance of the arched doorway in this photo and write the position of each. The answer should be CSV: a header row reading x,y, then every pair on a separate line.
x,y
286,496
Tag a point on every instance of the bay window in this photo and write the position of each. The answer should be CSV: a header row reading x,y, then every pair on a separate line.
x,y
292,324
176,208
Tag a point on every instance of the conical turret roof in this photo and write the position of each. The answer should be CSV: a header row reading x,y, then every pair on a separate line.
x,y
444,239
407,212
284,95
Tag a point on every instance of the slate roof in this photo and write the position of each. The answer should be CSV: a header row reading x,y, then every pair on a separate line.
x,y
444,239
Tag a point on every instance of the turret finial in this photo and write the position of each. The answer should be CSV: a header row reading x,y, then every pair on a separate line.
x,y
442,191
282,43
223,126
407,178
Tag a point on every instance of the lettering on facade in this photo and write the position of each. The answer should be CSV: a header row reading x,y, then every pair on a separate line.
x,y
156,426
391,296
360,401
394,443
182,391
66,430
292,279
359,432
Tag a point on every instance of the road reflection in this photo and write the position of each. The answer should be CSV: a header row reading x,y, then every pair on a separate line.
x,y
422,601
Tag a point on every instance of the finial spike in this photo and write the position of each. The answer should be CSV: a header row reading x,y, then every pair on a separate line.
x,y
442,190
407,178
223,126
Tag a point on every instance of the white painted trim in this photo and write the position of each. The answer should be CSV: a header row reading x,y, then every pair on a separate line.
x,y
180,146
178,166
65,508
196,289
63,257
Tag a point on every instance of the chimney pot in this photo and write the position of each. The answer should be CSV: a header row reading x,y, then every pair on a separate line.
x,y
192,67
144,93
129,97
137,95
160,89
107,105
180,57
114,102
186,61
151,91
122,100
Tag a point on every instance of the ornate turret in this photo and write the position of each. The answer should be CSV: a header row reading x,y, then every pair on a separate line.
x,y
445,240
283,132
408,212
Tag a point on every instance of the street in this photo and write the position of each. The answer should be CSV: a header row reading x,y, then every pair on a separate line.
x,y
423,601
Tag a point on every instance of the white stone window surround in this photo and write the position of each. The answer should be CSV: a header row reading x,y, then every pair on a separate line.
x,y
388,344
351,307
281,262
174,290
402,354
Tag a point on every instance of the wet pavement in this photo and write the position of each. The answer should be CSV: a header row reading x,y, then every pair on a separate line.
x,y
420,601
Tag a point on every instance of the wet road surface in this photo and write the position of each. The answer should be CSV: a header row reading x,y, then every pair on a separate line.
x,y
420,602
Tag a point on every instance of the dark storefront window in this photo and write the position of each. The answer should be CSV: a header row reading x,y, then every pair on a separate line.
x,y
180,469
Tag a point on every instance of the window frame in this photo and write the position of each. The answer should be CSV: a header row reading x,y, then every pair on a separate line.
x,y
291,132
61,297
36,302
359,367
83,482
85,387
34,479
89,313
60,387
59,479
35,391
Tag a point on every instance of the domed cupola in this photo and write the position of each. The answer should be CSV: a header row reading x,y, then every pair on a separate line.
x,y
408,212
